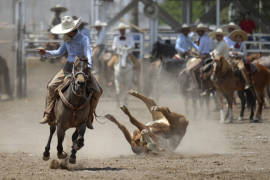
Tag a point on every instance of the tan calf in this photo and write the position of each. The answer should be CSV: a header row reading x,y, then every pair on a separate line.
x,y
164,133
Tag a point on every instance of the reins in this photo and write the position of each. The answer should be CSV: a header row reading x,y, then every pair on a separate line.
x,y
74,109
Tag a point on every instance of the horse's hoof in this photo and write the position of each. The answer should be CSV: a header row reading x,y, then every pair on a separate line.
x,y
72,160
258,118
63,155
240,118
46,156
254,121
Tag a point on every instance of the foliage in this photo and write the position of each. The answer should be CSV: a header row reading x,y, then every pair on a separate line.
x,y
174,8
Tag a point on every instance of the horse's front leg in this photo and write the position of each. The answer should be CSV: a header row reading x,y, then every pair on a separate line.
x,y
230,106
60,135
78,143
251,99
46,154
243,104
219,97
260,106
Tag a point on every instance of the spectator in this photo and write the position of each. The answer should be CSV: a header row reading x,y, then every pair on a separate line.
x,y
247,24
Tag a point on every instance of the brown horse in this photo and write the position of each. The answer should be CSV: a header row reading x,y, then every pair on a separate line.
x,y
71,111
164,133
226,82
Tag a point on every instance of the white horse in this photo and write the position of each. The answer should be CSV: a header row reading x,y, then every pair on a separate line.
x,y
123,74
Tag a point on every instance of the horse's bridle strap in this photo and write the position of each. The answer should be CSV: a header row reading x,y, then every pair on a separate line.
x,y
69,105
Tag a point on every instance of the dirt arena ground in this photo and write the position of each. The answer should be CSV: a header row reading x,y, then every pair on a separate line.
x,y
209,150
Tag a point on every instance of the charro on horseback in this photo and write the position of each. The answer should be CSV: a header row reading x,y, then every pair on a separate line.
x,y
75,45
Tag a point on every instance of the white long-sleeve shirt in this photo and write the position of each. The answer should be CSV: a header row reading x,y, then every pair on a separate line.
x,y
241,51
221,49
123,47
127,43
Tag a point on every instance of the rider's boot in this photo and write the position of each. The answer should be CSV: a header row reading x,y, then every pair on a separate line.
x,y
50,101
45,119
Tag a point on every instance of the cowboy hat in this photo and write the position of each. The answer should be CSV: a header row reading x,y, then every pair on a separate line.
x,y
67,25
201,27
240,33
122,26
58,8
184,27
230,25
99,23
219,31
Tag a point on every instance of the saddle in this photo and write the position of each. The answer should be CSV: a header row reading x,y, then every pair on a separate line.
x,y
193,63
247,65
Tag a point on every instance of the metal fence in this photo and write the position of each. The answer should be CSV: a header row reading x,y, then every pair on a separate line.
x,y
11,33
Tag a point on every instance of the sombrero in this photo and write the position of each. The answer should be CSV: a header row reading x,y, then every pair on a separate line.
x,y
99,23
184,27
219,31
230,25
201,27
58,8
238,32
67,25
122,26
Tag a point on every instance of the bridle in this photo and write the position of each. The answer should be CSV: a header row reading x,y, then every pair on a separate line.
x,y
74,76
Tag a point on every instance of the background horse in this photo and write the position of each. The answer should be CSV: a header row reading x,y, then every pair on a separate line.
x,y
168,69
185,82
71,111
226,82
165,53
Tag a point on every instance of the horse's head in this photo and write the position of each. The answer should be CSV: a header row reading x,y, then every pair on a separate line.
x,y
80,76
220,67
